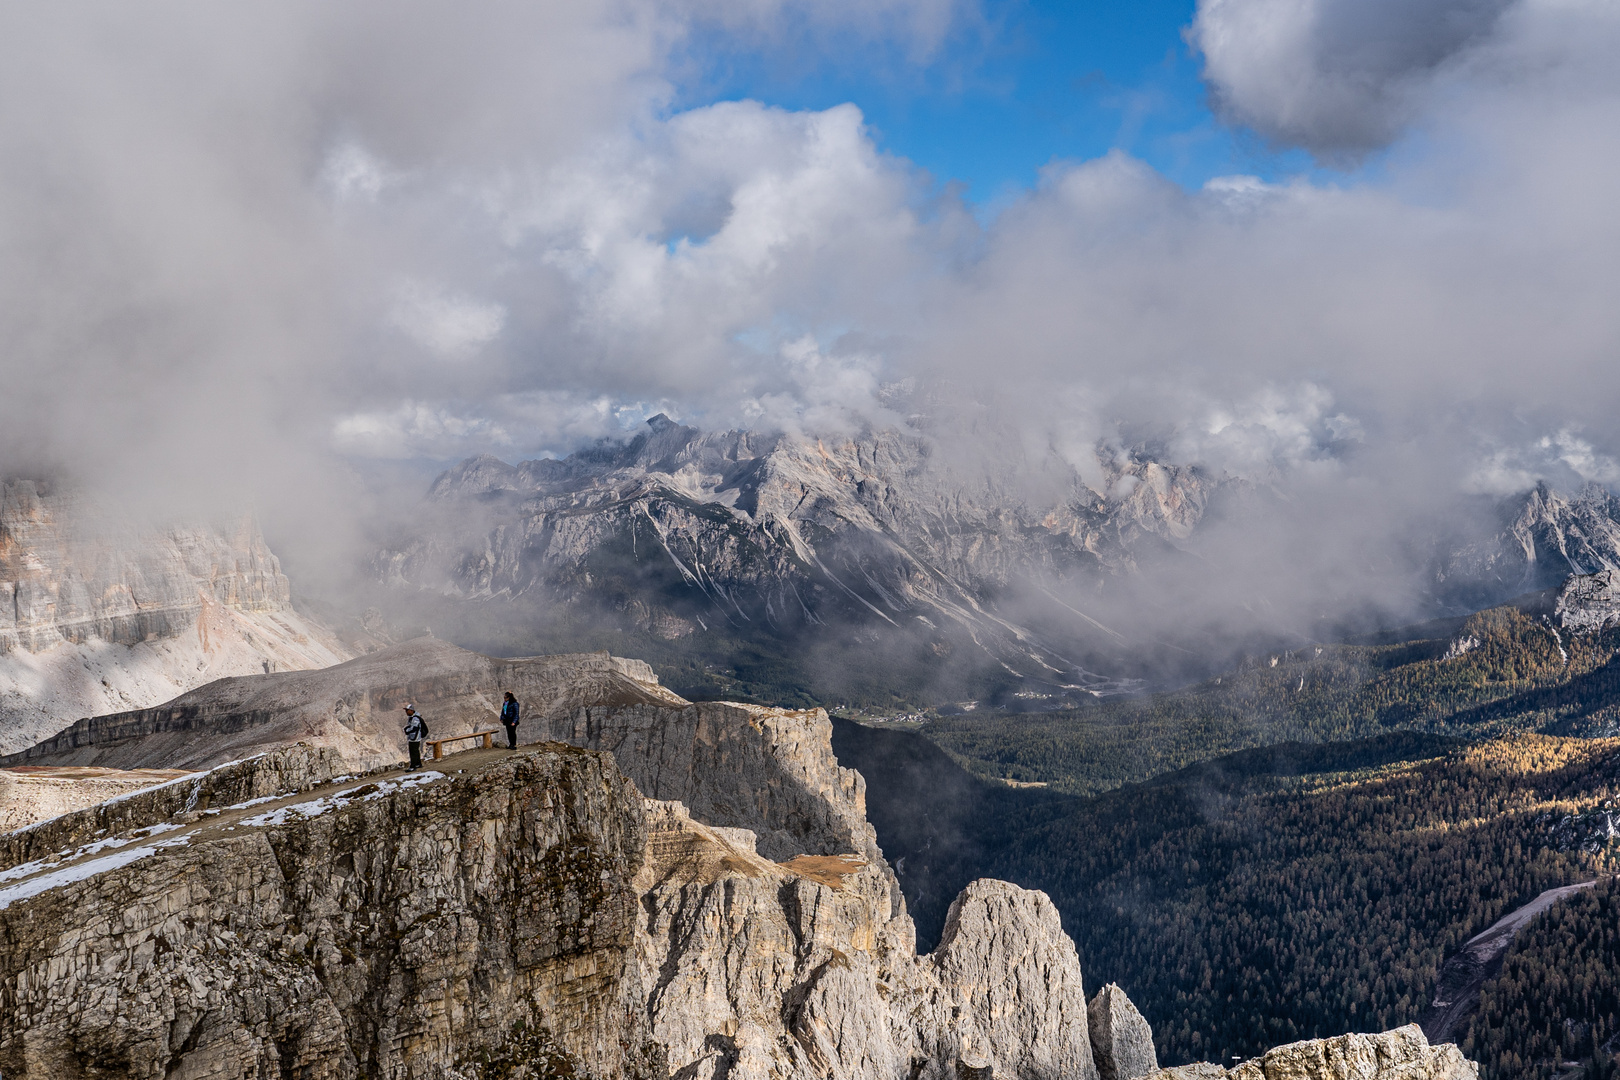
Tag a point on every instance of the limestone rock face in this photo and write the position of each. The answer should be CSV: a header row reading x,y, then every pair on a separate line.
x,y
421,932
1544,536
1004,951
771,771
747,766
1121,1040
1402,1054
1588,603
100,613
518,912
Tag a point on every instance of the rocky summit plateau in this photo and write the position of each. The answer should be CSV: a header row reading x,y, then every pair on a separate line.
x,y
657,889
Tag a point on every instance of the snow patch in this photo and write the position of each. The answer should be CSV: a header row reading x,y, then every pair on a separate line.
x,y
67,875
325,804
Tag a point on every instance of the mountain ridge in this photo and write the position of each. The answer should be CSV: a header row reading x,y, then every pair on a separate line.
x,y
978,576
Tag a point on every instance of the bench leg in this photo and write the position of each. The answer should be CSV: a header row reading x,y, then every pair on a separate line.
x,y
438,751
489,740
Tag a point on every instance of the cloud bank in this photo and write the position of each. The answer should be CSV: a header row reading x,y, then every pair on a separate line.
x,y
243,253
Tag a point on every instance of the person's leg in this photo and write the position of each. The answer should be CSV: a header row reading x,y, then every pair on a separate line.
x,y
416,755
511,736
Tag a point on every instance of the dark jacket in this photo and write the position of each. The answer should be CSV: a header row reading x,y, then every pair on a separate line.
x,y
509,713
416,729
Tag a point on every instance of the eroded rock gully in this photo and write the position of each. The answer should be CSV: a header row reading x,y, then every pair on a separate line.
x,y
531,914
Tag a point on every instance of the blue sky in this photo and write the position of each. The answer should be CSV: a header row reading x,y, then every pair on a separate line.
x,y
1039,80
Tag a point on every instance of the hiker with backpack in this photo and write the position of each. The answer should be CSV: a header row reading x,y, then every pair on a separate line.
x,y
509,717
416,732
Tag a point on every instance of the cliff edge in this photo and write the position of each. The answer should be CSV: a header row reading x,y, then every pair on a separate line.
x,y
666,890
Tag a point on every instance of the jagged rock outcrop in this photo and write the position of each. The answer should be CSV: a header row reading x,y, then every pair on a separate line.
x,y
1402,1054
99,613
1121,1040
522,908
1588,603
1543,536
1005,953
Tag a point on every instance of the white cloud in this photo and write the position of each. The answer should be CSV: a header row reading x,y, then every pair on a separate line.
x,y
354,175
215,224
1563,458
448,324
415,429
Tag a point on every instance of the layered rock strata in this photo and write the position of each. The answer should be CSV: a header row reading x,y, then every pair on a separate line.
x,y
99,612
522,910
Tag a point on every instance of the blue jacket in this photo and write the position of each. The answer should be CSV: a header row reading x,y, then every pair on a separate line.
x,y
416,729
509,713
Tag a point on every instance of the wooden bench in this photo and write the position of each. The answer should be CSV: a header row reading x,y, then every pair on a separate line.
x,y
438,744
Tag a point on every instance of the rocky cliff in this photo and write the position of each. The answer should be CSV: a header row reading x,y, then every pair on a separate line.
x,y
100,613
1588,603
1542,537
767,769
510,914
355,707
526,914
705,901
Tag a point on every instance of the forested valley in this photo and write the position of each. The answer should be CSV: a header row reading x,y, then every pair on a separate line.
x,y
1310,885
1499,671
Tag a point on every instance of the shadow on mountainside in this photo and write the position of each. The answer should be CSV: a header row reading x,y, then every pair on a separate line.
x,y
936,822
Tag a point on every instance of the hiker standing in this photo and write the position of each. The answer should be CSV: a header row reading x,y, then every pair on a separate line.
x,y
416,730
509,717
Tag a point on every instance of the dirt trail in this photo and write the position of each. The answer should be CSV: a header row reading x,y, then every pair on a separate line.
x,y
1456,992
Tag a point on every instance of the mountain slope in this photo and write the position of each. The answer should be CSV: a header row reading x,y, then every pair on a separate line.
x,y
1547,663
100,614
901,567
683,536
